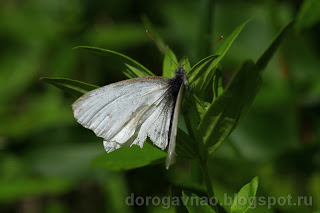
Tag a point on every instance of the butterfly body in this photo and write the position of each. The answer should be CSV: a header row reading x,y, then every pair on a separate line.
x,y
127,112
178,79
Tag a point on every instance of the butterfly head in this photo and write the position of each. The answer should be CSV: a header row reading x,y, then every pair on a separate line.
x,y
180,72
180,76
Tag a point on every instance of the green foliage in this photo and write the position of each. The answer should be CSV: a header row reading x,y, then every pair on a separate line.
x,y
223,114
185,62
309,15
245,197
195,204
208,125
269,52
229,41
215,122
201,77
73,87
127,65
200,72
129,158
169,65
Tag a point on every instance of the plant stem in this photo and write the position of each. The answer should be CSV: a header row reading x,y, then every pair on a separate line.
x,y
207,180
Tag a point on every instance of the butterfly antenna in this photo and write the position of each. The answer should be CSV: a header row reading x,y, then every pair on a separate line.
x,y
160,47
221,37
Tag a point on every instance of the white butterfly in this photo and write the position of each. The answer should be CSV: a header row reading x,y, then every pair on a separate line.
x,y
127,112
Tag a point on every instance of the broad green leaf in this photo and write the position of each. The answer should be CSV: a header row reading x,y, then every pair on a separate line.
x,y
192,111
217,84
245,197
185,63
127,65
229,41
129,158
195,204
234,103
309,15
169,65
203,77
200,71
73,87
185,146
269,52
223,115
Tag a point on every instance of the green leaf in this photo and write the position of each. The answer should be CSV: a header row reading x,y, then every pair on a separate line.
x,y
200,71
127,65
185,63
195,204
217,84
73,87
202,76
223,115
129,158
169,65
229,41
185,146
309,15
269,52
245,197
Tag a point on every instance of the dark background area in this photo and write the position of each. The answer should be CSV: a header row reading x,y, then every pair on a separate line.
x,y
45,155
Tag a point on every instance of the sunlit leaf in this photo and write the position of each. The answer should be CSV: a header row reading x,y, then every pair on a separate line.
x,y
169,65
245,197
125,64
184,62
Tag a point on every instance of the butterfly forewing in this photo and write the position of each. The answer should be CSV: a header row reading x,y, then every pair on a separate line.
x,y
173,135
128,112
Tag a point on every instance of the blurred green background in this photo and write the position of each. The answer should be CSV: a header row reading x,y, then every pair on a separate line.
x,y
45,155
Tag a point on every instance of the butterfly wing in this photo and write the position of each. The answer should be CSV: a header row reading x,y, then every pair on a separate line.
x,y
127,112
172,144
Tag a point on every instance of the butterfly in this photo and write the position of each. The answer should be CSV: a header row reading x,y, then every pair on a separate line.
x,y
125,113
